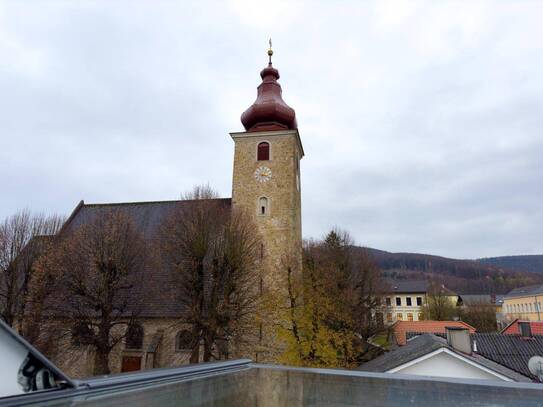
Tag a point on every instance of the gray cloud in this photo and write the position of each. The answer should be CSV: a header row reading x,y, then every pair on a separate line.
x,y
421,121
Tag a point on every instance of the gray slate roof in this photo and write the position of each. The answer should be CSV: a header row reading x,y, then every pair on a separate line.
x,y
161,298
526,290
427,343
513,351
475,299
414,349
407,286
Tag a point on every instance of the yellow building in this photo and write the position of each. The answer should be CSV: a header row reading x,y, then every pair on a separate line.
x,y
523,303
405,299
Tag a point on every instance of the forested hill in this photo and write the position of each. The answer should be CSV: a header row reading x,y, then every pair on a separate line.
x,y
463,276
531,263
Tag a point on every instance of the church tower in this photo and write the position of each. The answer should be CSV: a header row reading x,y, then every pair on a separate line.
x,y
266,180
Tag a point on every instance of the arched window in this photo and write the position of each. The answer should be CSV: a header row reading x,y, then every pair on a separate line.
x,y
263,151
263,206
134,337
183,340
82,334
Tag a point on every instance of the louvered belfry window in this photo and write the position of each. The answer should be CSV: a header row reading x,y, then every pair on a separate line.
x,y
263,153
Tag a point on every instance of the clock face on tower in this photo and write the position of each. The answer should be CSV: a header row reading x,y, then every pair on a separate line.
x,y
263,174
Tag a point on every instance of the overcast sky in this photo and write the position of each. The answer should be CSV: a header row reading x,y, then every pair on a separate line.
x,y
422,122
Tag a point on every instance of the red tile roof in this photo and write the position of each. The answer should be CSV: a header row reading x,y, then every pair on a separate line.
x,y
513,328
400,328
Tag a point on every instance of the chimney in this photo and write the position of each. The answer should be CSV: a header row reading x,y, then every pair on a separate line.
x,y
458,338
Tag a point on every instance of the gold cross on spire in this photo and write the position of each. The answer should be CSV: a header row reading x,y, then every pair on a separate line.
x,y
270,51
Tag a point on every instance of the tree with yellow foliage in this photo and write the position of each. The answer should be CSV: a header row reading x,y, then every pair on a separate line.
x,y
332,304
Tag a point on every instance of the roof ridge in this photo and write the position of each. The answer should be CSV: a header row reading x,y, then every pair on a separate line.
x,y
154,202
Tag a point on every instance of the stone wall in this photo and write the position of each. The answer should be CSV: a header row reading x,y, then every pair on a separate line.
x,y
78,362
281,227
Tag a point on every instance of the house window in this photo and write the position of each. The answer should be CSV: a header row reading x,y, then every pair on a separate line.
x,y
389,317
408,301
183,340
388,302
399,316
525,329
421,316
419,301
410,317
398,301
134,337
263,151
263,206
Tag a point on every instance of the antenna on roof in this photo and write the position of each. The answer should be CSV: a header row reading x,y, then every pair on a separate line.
x,y
535,364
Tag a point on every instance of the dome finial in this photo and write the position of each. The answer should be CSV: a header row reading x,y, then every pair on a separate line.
x,y
270,51
269,112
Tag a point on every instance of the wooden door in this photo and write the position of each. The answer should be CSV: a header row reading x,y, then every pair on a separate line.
x,y
131,363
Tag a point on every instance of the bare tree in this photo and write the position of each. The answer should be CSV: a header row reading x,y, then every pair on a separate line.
x,y
439,303
23,238
368,287
481,315
92,280
212,249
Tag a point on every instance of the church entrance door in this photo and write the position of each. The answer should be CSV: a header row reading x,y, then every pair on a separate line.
x,y
131,363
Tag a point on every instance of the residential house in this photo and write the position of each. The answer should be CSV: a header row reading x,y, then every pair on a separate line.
x,y
459,354
524,303
405,299
525,328
432,355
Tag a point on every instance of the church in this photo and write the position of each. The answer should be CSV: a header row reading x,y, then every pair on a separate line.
x,y
265,184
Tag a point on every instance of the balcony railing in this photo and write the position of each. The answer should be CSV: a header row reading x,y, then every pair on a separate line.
x,y
243,383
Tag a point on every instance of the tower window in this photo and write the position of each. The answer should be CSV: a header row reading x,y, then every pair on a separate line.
x,y
263,206
263,151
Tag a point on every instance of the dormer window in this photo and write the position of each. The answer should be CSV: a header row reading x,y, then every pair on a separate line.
x,y
525,329
263,151
263,206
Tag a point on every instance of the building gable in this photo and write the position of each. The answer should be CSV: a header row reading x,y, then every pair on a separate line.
x,y
446,363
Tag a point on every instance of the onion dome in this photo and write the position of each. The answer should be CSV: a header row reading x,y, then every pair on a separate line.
x,y
269,111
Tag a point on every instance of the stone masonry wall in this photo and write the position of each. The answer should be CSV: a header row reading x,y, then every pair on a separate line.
x,y
281,228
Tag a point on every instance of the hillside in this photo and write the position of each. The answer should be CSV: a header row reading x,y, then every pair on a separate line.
x,y
464,276
530,263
